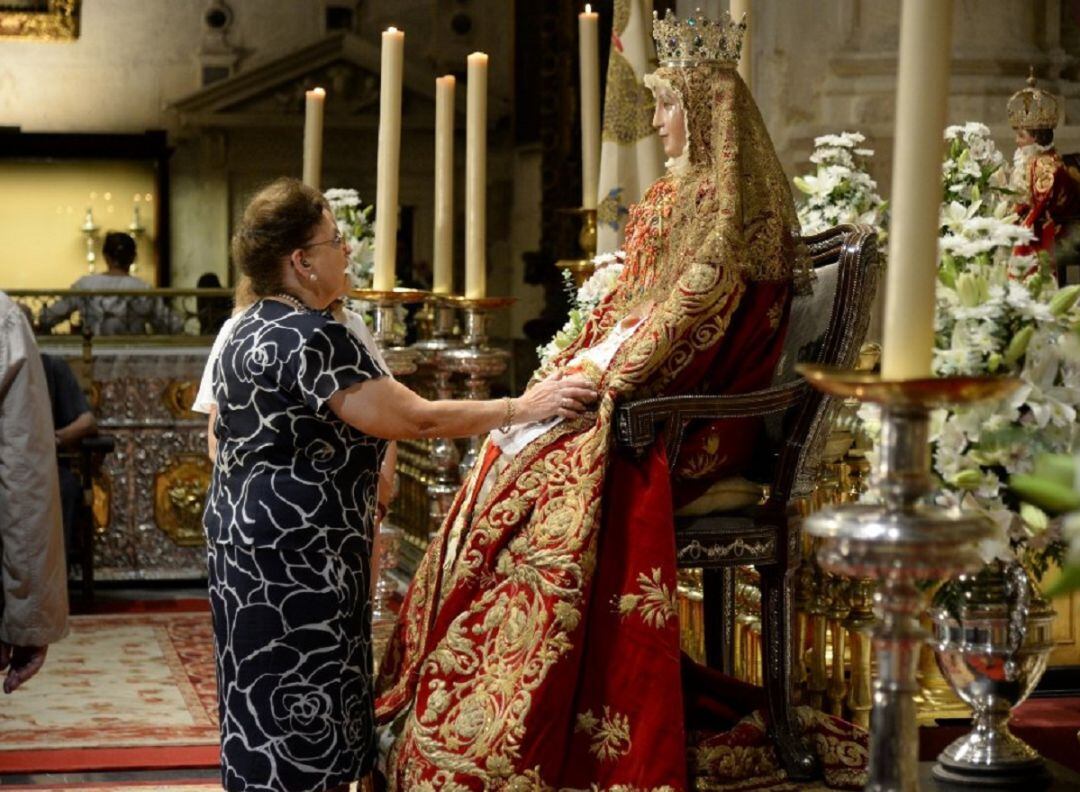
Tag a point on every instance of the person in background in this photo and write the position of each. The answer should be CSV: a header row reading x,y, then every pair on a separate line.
x,y
73,420
33,573
114,314
213,311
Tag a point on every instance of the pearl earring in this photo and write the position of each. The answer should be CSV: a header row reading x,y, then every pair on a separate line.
x,y
311,276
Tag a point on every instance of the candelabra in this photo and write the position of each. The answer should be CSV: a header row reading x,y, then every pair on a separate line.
x,y
90,230
402,360
479,362
388,332
582,268
444,451
901,542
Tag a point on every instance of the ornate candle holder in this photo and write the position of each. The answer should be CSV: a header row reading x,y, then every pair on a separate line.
x,y
402,360
442,312
583,267
479,362
900,542
89,231
389,335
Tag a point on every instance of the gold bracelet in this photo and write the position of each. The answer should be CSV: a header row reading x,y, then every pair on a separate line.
x,y
509,415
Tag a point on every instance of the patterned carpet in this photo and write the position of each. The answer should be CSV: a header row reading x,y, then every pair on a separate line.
x,y
131,681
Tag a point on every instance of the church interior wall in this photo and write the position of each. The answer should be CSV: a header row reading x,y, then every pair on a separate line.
x,y
43,207
133,59
818,67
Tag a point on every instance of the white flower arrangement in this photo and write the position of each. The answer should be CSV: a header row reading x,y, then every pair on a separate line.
x,y
999,313
608,266
840,191
356,226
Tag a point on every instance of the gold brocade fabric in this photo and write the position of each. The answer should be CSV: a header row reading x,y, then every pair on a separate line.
x,y
489,676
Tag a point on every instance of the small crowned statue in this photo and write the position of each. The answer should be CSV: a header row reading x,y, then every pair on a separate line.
x,y
1046,195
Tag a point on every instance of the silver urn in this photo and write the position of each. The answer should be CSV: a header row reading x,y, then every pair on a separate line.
x,y
992,638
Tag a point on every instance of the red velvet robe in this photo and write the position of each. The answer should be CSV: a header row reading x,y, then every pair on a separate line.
x,y
1053,198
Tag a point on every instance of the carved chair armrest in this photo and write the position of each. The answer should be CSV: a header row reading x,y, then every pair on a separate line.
x,y
636,421
99,444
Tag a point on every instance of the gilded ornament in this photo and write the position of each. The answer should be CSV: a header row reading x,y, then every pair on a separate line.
x,y
1033,108
178,397
180,498
697,40
101,501
58,20
628,108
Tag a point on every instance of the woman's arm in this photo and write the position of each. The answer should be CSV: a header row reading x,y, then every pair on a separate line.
x,y
211,435
385,408
83,426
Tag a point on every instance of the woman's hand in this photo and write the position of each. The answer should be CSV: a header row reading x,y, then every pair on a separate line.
x,y
565,397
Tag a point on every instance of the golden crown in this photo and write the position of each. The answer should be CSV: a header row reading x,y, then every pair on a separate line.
x,y
1033,108
697,39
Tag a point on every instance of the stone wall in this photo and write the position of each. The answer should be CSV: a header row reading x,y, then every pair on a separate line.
x,y
818,67
134,60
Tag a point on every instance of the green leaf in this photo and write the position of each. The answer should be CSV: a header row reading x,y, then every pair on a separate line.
x,y
1048,495
1058,468
1067,582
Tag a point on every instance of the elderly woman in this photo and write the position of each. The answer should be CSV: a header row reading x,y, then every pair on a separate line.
x,y
304,416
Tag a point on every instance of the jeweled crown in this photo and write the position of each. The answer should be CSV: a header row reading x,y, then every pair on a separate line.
x,y
1033,108
697,39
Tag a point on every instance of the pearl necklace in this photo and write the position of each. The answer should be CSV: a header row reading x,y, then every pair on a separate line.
x,y
295,302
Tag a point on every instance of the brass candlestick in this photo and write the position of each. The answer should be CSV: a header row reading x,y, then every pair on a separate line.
x,y
388,333
901,542
582,268
479,362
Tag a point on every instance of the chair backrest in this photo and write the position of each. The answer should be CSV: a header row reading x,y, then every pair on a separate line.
x,y
826,327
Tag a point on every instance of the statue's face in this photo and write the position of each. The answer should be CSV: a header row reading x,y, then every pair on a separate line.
x,y
670,122
1024,138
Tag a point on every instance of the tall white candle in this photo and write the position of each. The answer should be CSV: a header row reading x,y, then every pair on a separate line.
x,y
443,275
386,185
475,175
738,9
314,101
589,55
921,103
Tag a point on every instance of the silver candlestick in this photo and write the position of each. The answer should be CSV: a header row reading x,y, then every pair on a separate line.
x,y
388,333
390,337
479,362
900,542
444,452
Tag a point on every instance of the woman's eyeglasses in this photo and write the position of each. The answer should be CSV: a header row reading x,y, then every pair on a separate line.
x,y
336,241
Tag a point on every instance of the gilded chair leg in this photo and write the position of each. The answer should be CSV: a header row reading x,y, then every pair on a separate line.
x,y
776,635
718,587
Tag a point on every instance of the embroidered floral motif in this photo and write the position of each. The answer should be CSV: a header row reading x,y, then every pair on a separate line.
x,y
485,633
656,603
1043,169
610,735
775,314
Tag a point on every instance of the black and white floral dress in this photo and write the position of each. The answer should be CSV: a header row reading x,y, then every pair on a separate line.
x,y
289,521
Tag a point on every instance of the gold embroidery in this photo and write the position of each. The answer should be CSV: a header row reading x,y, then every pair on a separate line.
x,y
656,603
609,735
529,550
775,313
628,106
1042,172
